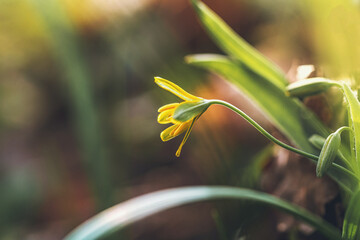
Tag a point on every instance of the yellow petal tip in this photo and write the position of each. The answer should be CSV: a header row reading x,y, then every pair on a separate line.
x,y
158,79
175,89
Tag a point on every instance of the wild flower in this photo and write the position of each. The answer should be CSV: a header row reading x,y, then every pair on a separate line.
x,y
182,115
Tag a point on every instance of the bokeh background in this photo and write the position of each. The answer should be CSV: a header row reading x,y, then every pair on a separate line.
x,y
78,109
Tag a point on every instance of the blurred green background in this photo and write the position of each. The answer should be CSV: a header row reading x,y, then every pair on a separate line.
x,y
78,109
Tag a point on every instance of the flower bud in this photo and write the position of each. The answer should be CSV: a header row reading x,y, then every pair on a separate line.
x,y
308,87
328,153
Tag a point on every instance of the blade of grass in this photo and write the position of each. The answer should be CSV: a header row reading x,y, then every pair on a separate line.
x,y
351,229
354,112
138,208
235,46
67,49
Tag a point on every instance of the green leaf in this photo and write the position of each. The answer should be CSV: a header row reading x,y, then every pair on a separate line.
x,y
351,227
354,112
138,208
235,46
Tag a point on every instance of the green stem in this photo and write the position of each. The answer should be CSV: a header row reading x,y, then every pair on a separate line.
x,y
263,131
275,140
340,130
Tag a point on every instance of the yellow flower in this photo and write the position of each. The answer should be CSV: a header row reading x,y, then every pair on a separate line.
x,y
183,115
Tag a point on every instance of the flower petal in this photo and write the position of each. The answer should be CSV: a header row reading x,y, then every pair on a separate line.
x,y
182,127
166,134
175,89
165,116
168,106
187,134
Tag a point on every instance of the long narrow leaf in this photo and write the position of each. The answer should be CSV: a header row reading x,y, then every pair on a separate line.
x,y
351,228
354,112
138,208
235,46
67,49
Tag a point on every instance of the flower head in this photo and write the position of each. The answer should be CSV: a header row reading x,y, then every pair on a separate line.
x,y
182,115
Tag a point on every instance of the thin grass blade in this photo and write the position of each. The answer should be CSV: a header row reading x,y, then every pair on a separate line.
x,y
351,227
68,52
235,46
354,113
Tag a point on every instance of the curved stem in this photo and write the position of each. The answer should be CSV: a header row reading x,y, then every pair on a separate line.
x,y
340,130
263,131
342,157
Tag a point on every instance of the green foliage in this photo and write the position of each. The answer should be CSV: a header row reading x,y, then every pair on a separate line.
x,y
265,84
284,113
351,229
250,74
289,115
354,122
236,47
